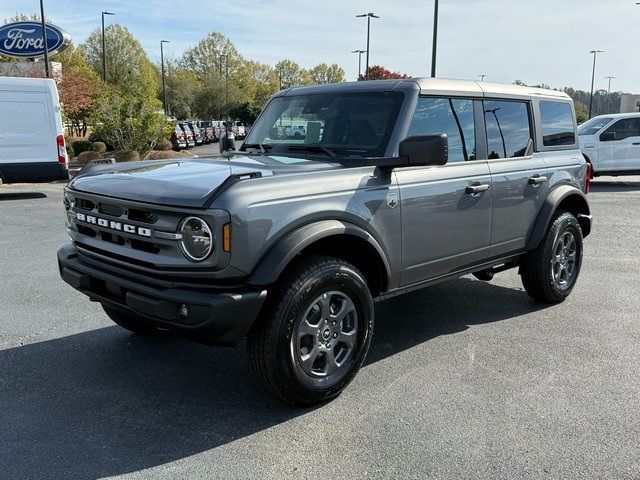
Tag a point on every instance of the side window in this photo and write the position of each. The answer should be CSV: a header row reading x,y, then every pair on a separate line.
x,y
557,124
508,128
452,116
625,128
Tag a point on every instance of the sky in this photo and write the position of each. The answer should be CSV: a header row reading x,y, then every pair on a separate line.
x,y
536,41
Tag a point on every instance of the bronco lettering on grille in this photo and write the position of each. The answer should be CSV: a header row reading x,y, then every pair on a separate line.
x,y
112,225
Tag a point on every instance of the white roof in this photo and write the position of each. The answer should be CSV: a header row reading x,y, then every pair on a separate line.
x,y
447,86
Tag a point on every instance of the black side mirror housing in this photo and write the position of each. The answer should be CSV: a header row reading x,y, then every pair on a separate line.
x,y
425,150
607,136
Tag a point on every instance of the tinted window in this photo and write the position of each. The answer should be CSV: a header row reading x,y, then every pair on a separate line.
x,y
625,128
508,128
451,116
557,124
356,124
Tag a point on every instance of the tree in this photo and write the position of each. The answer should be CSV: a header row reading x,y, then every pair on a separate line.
x,y
128,67
290,74
377,72
79,88
212,56
129,122
323,73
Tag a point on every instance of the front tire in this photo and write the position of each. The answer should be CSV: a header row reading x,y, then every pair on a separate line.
x,y
133,323
315,333
550,272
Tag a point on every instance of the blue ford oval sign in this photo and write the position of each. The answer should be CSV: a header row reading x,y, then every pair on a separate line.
x,y
24,39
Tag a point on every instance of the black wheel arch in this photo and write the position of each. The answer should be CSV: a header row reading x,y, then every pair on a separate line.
x,y
563,198
336,238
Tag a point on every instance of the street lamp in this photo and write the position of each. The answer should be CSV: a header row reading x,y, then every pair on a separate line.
x,y
593,76
435,39
359,52
104,49
482,77
164,89
609,94
369,16
44,39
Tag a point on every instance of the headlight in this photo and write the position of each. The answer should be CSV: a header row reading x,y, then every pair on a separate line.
x,y
197,240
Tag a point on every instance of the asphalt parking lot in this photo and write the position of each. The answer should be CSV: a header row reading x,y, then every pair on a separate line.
x,y
464,380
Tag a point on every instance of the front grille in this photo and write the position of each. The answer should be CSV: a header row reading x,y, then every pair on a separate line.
x,y
137,234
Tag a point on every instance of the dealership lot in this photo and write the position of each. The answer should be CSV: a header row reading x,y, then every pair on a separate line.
x,y
464,380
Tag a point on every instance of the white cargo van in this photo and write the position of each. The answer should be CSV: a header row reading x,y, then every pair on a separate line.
x,y
32,144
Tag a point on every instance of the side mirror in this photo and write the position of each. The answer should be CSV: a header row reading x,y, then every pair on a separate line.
x,y
424,150
607,136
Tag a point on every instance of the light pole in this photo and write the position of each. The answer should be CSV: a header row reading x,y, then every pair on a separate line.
x,y
369,16
434,46
104,49
44,40
609,94
593,77
482,77
359,52
164,88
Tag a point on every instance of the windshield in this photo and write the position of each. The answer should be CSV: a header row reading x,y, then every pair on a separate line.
x,y
592,126
356,124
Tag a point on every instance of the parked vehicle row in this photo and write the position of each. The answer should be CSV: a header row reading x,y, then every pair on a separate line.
x,y
188,134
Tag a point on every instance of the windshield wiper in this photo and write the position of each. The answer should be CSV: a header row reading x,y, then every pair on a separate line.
x,y
314,148
264,148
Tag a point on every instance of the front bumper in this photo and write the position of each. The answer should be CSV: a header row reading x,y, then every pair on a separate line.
x,y
215,318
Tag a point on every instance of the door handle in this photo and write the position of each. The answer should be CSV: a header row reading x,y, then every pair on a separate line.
x,y
537,180
476,188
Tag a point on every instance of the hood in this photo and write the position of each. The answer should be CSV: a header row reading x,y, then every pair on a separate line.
x,y
183,183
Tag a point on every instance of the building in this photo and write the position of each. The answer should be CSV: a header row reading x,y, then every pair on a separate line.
x,y
629,103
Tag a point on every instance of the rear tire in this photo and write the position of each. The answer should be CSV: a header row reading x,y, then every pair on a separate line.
x,y
314,333
133,323
550,272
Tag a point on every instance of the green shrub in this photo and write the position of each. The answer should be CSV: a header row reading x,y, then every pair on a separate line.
x,y
86,157
163,145
126,156
80,146
99,147
70,152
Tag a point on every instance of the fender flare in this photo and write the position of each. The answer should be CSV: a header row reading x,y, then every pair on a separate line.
x,y
551,204
280,255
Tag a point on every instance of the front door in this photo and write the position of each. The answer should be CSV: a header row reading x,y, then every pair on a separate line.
x,y
519,178
446,211
619,146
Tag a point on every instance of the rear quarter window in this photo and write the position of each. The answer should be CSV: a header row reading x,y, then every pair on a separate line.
x,y
557,124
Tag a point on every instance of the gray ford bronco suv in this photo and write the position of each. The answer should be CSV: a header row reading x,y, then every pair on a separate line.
x,y
341,195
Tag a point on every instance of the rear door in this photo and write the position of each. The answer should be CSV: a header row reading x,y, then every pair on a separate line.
x,y
519,180
446,210
27,127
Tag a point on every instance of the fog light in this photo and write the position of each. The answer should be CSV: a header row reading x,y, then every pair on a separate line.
x,y
183,312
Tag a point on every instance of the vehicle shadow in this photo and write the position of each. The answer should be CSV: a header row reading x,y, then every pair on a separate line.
x,y
106,402
21,195
614,186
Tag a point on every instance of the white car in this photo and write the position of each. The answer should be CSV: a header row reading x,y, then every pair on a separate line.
x,y
611,143
32,144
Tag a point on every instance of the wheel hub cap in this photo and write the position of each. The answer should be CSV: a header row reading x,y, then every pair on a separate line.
x,y
564,260
326,335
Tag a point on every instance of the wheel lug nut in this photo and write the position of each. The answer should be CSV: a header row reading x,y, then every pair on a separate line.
x,y
335,334
334,323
